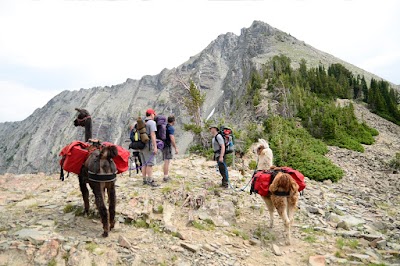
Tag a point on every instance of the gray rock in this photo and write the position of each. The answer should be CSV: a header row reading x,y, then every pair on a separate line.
x,y
254,242
190,247
359,256
123,242
276,250
33,235
343,225
371,237
381,244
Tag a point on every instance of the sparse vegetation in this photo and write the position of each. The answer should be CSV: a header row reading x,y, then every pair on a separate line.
x,y
342,242
395,162
91,246
204,225
69,208
240,233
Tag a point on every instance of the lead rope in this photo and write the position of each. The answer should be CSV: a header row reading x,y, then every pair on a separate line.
x,y
243,188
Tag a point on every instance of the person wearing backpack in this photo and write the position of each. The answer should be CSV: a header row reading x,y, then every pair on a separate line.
x,y
219,148
169,142
149,152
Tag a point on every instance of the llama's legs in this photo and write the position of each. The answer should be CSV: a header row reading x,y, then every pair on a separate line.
x,y
85,194
283,213
292,207
270,208
101,207
112,203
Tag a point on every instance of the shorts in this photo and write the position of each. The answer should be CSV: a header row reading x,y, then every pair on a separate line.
x,y
147,156
167,153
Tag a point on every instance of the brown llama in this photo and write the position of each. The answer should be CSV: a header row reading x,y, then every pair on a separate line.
x,y
99,170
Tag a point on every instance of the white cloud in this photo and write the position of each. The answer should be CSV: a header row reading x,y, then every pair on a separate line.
x,y
21,101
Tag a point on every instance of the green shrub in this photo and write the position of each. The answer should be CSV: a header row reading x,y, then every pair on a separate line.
x,y
295,147
395,162
253,165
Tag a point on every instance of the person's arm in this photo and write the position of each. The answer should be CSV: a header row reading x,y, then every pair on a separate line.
x,y
172,137
153,141
221,155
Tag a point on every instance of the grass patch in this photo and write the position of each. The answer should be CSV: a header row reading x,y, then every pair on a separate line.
x,y
263,235
241,234
91,246
166,190
140,223
207,226
69,208
160,209
52,262
156,227
342,242
253,165
310,239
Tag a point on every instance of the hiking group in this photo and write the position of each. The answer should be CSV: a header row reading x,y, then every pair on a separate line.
x,y
147,137
156,132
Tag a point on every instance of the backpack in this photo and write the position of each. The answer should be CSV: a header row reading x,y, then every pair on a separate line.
x,y
227,135
262,179
74,155
162,123
136,140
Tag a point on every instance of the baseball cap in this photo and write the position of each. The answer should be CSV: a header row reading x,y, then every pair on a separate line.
x,y
212,126
150,111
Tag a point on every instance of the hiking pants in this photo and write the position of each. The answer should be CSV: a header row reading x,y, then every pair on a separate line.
x,y
223,170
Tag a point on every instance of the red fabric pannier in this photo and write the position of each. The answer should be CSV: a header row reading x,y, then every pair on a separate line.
x,y
261,182
73,156
122,159
297,176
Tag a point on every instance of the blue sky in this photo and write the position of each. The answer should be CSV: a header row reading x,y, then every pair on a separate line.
x,y
50,46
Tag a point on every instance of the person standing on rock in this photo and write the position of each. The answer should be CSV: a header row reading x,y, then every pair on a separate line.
x,y
149,152
218,145
167,151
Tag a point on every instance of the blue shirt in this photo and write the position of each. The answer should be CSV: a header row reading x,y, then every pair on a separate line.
x,y
170,131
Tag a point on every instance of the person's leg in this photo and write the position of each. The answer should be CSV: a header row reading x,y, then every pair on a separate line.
x,y
142,157
224,173
167,156
166,167
149,169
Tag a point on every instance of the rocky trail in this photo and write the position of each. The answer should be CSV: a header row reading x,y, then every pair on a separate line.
x,y
191,221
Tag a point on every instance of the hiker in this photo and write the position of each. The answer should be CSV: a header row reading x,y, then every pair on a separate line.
x,y
135,151
218,145
149,152
167,151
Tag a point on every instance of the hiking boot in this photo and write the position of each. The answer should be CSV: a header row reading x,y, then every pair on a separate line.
x,y
224,185
145,182
166,178
152,183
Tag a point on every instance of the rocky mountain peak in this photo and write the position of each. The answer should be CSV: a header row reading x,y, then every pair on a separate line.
x,y
221,70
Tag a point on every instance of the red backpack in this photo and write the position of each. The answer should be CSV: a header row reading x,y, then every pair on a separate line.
x,y
75,154
262,179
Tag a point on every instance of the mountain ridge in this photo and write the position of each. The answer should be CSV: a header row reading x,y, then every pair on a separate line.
x,y
221,70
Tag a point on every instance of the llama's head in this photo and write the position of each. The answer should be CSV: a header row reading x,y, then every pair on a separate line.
x,y
265,155
261,145
83,114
